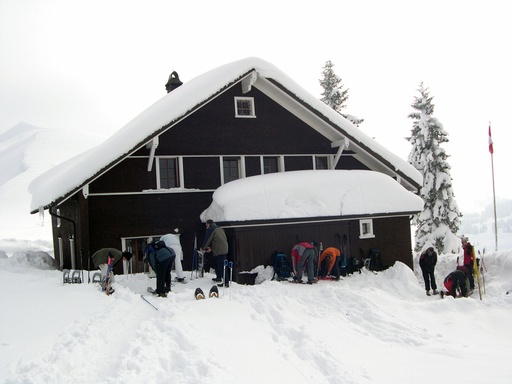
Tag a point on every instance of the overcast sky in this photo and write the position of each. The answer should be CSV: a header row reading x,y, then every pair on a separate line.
x,y
94,65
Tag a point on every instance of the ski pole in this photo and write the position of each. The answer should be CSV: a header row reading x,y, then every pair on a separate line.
x,y
230,264
146,300
88,267
224,276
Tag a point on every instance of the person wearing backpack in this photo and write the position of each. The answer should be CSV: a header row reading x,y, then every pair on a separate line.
x,y
428,261
160,257
215,240
469,260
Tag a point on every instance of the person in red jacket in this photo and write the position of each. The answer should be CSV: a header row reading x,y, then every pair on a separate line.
x,y
457,281
303,255
328,262
469,260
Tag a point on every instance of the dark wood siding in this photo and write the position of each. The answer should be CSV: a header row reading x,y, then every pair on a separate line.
x,y
130,175
252,166
254,246
201,172
214,130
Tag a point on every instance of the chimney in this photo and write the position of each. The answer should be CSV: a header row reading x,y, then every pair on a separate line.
x,y
174,82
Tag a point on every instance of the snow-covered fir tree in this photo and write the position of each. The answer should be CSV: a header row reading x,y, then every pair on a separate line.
x,y
334,93
439,222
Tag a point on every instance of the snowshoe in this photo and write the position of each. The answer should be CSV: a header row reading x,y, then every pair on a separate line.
x,y
181,280
314,281
199,294
214,291
151,290
65,276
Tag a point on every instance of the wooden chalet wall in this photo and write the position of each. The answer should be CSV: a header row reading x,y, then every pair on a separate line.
x,y
254,245
124,202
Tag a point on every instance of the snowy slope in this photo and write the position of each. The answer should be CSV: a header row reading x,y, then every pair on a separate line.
x,y
25,153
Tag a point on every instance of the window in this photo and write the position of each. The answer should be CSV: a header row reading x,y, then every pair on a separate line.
x,y
231,169
270,165
366,229
244,107
168,173
321,162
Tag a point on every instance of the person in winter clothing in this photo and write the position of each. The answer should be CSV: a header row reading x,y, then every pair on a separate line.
x,y
469,259
172,241
428,261
100,260
303,255
328,262
215,241
160,257
457,281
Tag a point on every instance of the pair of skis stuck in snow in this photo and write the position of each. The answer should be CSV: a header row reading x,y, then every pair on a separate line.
x,y
199,294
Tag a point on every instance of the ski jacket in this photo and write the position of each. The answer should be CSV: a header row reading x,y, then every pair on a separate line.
x,y
215,238
334,253
101,256
454,279
469,256
173,241
428,261
298,251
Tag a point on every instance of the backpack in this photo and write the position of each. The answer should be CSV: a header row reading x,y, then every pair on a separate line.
x,y
374,262
153,254
281,265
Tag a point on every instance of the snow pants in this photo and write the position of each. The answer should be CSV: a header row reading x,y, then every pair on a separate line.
x,y
307,260
218,262
429,278
163,275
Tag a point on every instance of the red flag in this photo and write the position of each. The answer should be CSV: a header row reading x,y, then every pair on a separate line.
x,y
491,149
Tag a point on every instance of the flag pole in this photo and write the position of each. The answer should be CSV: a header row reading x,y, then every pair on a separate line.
x,y
491,150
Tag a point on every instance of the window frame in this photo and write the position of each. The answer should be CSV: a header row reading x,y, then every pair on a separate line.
x,y
252,109
366,229
223,168
177,172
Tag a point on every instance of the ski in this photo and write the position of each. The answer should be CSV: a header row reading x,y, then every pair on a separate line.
x,y
108,281
199,294
214,291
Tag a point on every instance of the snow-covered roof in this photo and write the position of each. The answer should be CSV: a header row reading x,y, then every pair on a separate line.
x,y
65,179
301,194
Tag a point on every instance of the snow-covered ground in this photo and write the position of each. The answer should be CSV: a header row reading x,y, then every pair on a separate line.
x,y
365,328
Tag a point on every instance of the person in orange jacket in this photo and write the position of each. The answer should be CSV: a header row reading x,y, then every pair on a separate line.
x,y
328,262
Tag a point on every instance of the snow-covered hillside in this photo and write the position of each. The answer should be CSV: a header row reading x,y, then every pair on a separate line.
x,y
25,153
